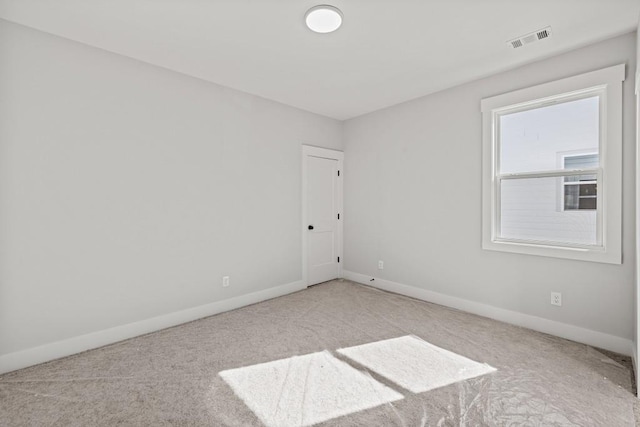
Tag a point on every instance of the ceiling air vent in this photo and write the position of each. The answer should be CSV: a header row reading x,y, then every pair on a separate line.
x,y
544,33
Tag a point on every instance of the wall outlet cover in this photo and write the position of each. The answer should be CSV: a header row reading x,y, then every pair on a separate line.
x,y
556,298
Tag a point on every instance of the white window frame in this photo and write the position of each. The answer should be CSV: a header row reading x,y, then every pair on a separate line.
x,y
606,83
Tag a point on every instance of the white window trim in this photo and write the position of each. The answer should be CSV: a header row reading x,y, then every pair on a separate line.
x,y
609,81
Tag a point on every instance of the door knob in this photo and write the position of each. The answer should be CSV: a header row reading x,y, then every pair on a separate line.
x,y
311,227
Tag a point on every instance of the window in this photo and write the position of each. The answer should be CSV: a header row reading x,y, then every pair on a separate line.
x,y
552,168
580,192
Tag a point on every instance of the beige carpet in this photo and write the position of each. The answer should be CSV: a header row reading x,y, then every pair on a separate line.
x,y
337,354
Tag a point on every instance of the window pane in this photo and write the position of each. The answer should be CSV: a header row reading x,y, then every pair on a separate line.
x,y
580,192
531,209
588,190
532,140
584,161
577,178
587,204
571,197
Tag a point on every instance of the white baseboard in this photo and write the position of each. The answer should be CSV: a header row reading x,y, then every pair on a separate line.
x,y
552,327
44,353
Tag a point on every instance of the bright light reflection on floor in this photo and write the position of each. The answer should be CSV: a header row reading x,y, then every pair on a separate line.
x,y
305,390
414,364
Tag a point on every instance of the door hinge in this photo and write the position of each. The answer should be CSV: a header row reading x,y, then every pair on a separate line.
x,y
338,173
338,259
338,216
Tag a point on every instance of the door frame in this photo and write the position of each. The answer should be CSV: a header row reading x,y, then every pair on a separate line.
x,y
326,153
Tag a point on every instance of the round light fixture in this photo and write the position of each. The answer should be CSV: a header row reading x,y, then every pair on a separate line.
x,y
323,18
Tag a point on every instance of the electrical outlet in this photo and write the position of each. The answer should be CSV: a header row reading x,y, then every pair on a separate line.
x,y
380,265
225,281
556,298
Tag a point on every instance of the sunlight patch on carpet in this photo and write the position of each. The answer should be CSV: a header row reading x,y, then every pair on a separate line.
x,y
415,364
305,390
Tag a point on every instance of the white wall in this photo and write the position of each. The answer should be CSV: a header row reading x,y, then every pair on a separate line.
x,y
636,299
413,199
127,191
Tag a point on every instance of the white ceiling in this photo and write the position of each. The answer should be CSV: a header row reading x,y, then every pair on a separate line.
x,y
386,52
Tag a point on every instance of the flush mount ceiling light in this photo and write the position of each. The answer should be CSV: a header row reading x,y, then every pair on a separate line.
x,y
323,18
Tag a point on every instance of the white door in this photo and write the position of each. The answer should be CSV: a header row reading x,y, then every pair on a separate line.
x,y
322,214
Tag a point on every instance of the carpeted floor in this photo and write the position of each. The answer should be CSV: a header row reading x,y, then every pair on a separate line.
x,y
337,354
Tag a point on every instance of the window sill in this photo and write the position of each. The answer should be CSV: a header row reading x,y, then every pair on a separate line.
x,y
585,253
